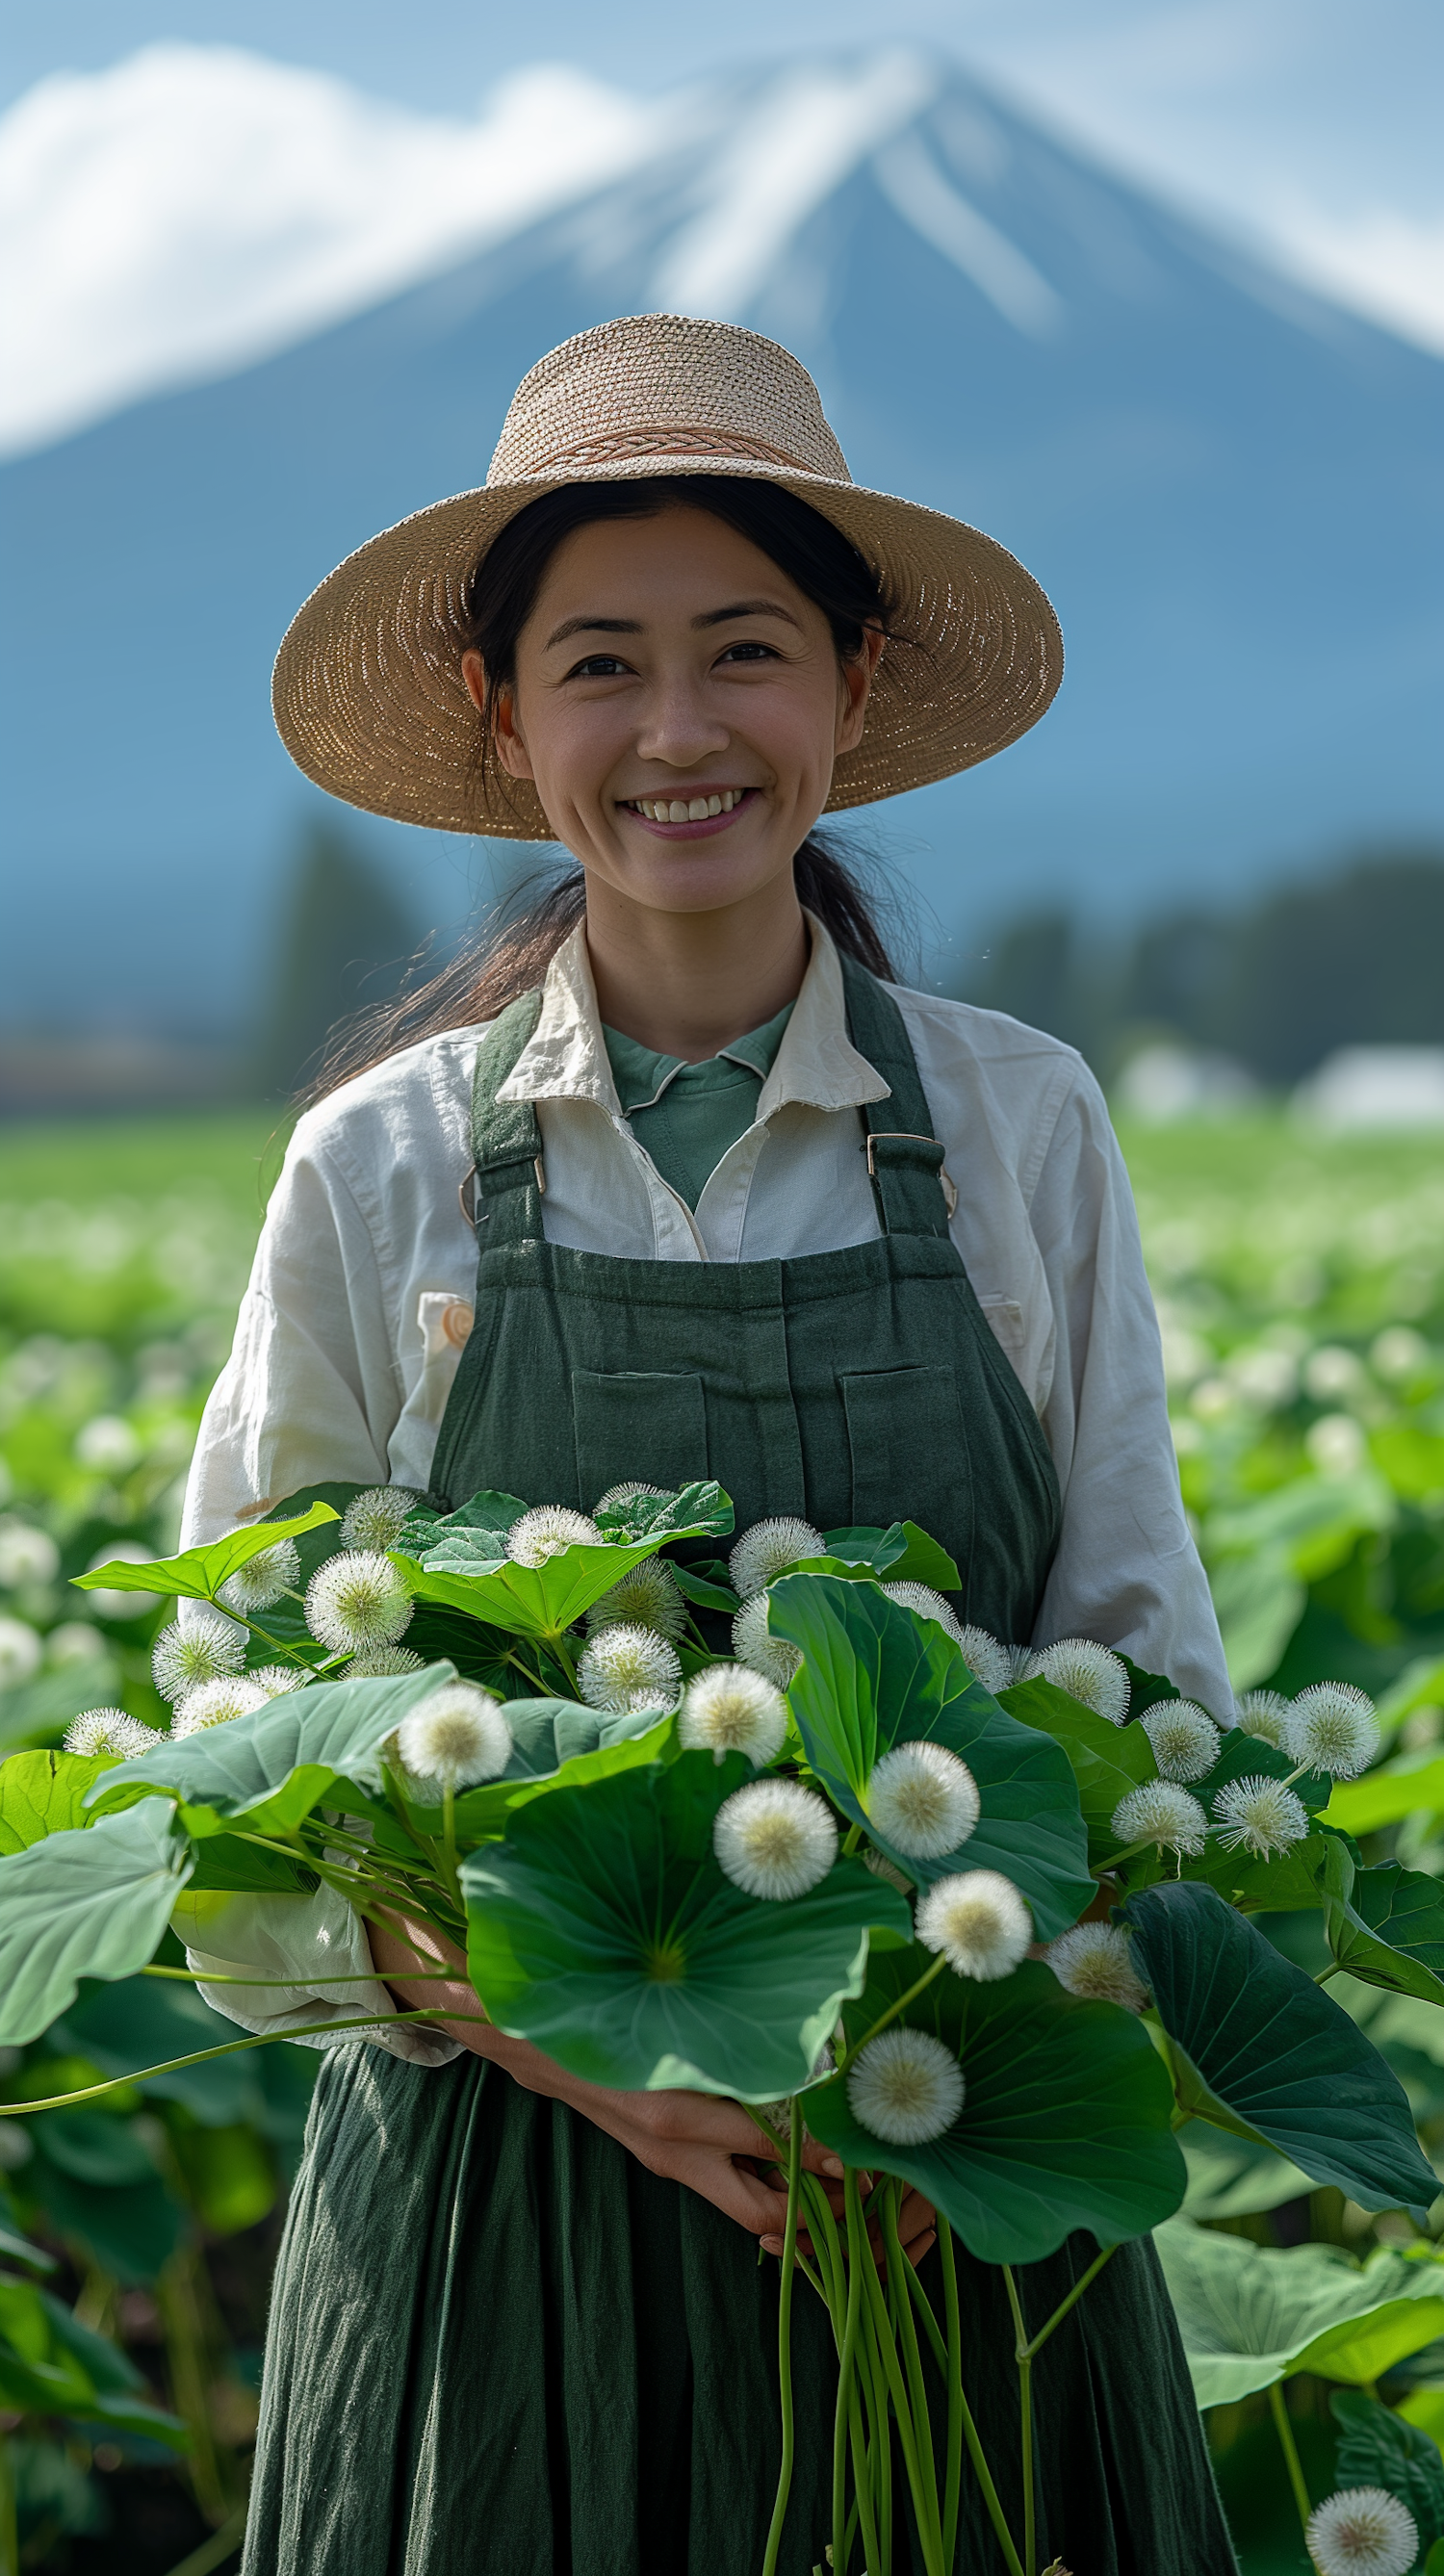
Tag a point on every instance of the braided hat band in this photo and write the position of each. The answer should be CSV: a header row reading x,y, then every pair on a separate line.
x,y
368,693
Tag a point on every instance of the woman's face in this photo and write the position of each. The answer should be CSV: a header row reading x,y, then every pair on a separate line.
x,y
678,705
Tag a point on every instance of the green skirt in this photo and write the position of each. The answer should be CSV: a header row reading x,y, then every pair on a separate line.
x,y
497,2343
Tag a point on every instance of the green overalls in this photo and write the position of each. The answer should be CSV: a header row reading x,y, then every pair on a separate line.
x,y
499,2346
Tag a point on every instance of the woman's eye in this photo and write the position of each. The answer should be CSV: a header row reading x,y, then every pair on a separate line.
x,y
598,666
749,653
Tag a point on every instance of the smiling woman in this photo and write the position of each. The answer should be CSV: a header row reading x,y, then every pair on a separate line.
x,y
725,1200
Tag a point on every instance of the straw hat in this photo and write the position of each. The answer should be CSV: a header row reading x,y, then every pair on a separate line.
x,y
368,692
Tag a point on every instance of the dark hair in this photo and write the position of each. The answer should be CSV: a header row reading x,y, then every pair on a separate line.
x,y
510,954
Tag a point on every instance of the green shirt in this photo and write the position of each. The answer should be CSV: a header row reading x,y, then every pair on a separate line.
x,y
687,1115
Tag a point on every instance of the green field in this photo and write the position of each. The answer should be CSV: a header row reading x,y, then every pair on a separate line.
x,y
1300,1288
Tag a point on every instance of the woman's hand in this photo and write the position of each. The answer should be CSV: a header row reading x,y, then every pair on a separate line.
x,y
700,2139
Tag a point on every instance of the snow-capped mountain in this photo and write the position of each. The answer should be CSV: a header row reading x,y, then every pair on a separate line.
x,y
1228,486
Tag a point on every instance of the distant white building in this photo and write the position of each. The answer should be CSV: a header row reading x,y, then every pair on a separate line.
x,y
1375,1086
1166,1082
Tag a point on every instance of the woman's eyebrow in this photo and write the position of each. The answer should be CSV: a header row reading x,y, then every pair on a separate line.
x,y
633,625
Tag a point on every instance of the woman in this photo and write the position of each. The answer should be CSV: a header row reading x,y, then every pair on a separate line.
x,y
743,1207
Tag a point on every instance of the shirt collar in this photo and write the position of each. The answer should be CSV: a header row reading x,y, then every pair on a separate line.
x,y
816,1067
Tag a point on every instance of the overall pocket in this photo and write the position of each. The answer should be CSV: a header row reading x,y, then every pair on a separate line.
x,y
910,1454
642,1426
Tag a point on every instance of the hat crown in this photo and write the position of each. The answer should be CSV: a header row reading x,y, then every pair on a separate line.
x,y
659,384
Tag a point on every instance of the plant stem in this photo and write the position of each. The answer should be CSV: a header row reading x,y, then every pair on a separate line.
x,y
784,2340
925,2490
448,1847
886,2345
227,2048
921,2302
851,1839
952,2496
362,1977
842,2419
1322,1975
1290,2449
848,2054
1024,2358
1074,2295
188,2364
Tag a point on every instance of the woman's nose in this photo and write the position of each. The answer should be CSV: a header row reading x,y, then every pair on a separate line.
x,y
678,728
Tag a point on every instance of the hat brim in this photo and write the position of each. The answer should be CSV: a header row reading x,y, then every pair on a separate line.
x,y
370,701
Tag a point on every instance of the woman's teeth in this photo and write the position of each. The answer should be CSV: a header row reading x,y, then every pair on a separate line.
x,y
658,809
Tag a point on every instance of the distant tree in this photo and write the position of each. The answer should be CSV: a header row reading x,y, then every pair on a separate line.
x,y
344,941
1352,958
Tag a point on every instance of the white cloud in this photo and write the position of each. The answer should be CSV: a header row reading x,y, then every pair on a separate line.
x,y
197,209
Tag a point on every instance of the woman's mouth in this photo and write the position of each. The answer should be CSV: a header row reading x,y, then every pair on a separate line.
x,y
689,817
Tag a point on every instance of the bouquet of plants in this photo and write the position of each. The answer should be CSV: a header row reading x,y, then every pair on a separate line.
x,y
771,1825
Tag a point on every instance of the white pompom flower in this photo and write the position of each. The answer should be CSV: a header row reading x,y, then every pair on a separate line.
x,y
547,1532
979,1922
1362,2531
650,1596
905,2087
357,1600
381,1663
730,1709
627,1668
376,1519
1090,1673
1264,1713
617,1497
774,1839
1332,1727
263,1580
1096,1960
277,1679
110,1730
990,1662
201,1651
1184,1738
776,1658
766,1551
1160,1812
1259,1816
457,1737
216,1703
928,1605
923,1800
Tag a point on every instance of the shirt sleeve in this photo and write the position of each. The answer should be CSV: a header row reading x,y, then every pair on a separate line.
x,y
1127,1572
313,1387
288,1944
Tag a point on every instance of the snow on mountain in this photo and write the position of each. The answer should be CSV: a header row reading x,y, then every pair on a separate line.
x,y
197,209
1228,486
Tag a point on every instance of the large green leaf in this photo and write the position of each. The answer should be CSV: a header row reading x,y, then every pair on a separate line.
x,y
525,1600
1065,2121
1107,1761
1385,1925
1377,2448
275,1765
1252,2314
874,1675
693,1511
44,1793
198,1574
1272,2052
604,1931
1231,2177
84,1904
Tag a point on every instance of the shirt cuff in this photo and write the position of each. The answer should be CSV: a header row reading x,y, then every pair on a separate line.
x,y
297,1939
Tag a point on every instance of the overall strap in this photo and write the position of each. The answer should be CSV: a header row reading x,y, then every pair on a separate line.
x,y
506,1180
904,1158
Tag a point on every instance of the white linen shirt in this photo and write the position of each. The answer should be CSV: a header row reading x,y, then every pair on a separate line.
x,y
360,1299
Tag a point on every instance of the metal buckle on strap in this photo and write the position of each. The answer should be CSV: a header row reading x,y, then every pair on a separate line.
x,y
907,1136
476,1216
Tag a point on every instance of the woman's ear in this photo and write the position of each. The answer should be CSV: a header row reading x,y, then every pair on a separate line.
x,y
857,679
511,751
